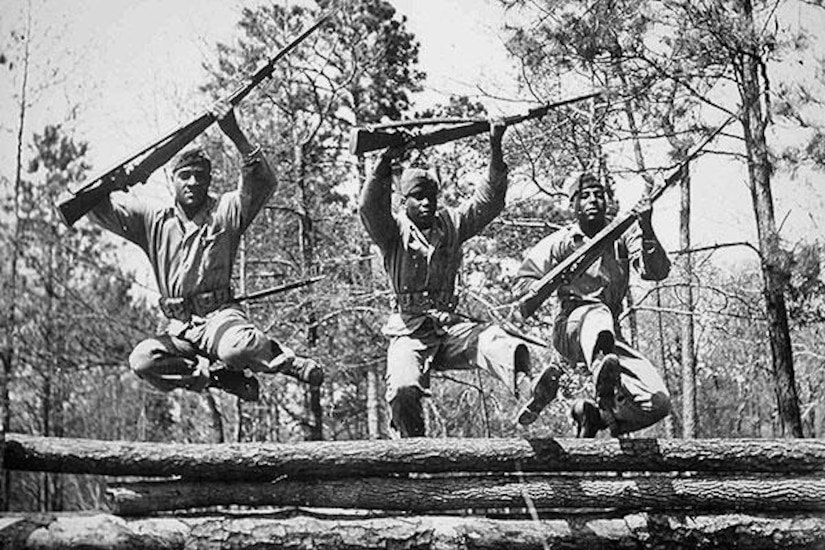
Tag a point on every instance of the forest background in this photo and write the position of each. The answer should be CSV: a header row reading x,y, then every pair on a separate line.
x,y
736,329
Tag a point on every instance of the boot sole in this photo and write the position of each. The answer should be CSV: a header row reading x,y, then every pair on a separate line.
x,y
529,413
609,376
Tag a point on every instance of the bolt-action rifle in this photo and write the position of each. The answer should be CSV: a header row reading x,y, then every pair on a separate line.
x,y
580,260
131,171
279,289
396,134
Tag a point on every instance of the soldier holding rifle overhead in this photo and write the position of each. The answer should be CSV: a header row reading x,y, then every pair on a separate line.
x,y
191,245
421,248
630,394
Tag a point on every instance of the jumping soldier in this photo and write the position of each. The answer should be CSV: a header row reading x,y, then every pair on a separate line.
x,y
421,247
191,245
630,394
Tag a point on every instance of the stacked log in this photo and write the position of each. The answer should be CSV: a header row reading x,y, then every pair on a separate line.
x,y
445,493
339,459
639,530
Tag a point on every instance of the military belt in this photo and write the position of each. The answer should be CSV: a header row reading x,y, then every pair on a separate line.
x,y
200,304
424,301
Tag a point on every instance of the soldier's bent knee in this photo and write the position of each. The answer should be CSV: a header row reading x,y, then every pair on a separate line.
x,y
242,346
142,357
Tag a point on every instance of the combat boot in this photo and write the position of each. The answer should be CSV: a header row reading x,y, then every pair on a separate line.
x,y
544,391
303,369
588,418
607,379
235,382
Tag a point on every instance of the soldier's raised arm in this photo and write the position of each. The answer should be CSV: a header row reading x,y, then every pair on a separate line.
x,y
257,179
487,201
375,204
647,255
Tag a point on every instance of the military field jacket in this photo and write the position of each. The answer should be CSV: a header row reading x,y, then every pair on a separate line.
x,y
422,266
607,279
191,256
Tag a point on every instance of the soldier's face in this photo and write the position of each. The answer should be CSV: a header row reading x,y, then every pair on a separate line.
x,y
191,185
592,203
421,204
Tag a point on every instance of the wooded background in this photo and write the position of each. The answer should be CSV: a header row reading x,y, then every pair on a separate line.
x,y
742,353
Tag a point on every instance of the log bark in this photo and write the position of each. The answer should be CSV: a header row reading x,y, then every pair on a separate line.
x,y
445,493
336,459
102,532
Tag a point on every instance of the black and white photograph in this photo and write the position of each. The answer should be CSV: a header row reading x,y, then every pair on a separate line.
x,y
412,274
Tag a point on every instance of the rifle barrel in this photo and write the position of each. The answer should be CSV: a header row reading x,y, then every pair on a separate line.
x,y
278,289
265,71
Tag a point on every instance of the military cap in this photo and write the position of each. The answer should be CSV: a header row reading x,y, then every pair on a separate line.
x,y
579,182
192,157
413,177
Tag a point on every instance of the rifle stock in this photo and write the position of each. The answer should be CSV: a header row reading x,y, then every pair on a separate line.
x,y
122,176
128,172
364,140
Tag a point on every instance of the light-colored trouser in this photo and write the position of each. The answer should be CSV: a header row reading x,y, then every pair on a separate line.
x,y
642,398
171,360
462,346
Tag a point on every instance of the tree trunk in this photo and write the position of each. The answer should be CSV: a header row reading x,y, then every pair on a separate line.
x,y
641,166
304,532
373,407
774,263
329,459
689,416
670,429
447,492
9,351
307,245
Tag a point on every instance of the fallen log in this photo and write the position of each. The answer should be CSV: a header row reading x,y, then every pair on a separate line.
x,y
336,459
103,532
442,493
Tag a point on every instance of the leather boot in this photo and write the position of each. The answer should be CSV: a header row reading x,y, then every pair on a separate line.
x,y
235,382
544,391
303,369
407,412
587,417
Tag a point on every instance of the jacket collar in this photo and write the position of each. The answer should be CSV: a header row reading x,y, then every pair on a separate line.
x,y
410,231
200,217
